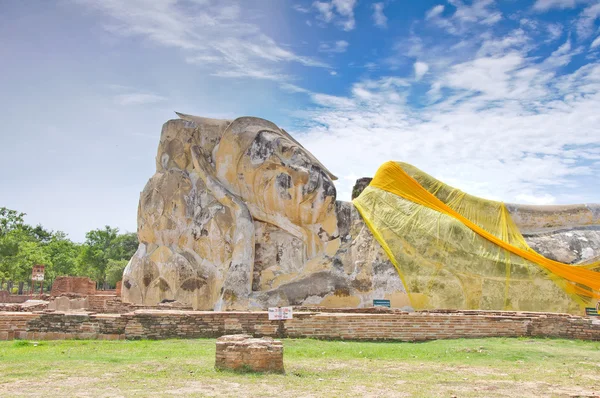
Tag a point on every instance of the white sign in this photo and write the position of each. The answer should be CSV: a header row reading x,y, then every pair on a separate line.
x,y
280,313
37,274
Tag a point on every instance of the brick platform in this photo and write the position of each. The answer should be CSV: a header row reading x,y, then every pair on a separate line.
x,y
416,326
243,352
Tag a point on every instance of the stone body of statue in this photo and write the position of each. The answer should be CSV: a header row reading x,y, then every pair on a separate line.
x,y
240,216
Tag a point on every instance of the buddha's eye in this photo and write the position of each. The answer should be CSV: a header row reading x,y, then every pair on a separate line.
x,y
313,181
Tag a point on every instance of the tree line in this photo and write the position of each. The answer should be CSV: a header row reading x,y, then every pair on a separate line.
x,y
102,256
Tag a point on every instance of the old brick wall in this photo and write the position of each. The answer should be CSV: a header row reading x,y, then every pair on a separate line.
x,y
12,324
73,284
6,297
98,302
419,326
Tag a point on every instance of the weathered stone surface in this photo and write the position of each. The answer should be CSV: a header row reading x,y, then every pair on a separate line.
x,y
360,186
240,216
243,352
566,233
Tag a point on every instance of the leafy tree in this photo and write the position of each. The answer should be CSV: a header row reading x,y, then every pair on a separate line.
x,y
103,245
102,257
114,271
64,257
10,220
128,244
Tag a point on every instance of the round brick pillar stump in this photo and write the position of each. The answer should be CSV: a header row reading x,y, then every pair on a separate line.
x,y
242,352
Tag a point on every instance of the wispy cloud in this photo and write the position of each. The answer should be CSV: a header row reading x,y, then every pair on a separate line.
x,y
300,8
209,33
587,19
545,5
379,17
130,96
138,99
435,11
339,11
479,12
339,46
555,31
421,69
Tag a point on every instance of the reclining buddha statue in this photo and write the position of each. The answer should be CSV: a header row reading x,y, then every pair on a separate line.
x,y
239,215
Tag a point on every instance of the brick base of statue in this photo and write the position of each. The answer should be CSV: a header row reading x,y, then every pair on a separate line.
x,y
242,352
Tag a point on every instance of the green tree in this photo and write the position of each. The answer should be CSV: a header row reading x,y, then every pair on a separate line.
x,y
103,245
102,257
127,244
64,257
10,220
114,271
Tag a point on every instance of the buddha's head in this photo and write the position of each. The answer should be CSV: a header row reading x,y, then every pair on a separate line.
x,y
280,181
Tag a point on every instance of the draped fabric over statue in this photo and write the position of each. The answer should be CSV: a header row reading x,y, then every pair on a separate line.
x,y
454,250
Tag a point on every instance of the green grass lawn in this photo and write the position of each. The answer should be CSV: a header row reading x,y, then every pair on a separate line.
x,y
462,368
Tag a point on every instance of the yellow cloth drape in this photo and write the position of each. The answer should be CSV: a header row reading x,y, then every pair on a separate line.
x,y
436,235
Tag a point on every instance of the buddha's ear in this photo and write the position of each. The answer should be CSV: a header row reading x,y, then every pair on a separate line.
x,y
237,285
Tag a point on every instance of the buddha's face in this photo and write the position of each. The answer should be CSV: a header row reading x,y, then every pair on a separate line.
x,y
285,180
279,180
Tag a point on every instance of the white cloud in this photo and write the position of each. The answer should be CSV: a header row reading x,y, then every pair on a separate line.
x,y
301,9
209,33
371,66
325,9
421,69
545,199
127,95
339,46
562,56
292,88
587,19
595,43
346,9
378,16
555,31
514,41
342,11
487,76
508,125
545,5
138,99
479,12
434,12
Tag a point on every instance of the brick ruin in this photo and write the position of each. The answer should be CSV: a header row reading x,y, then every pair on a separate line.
x,y
391,326
103,316
73,285
242,352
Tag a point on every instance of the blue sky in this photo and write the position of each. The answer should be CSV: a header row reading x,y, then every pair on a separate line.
x,y
500,98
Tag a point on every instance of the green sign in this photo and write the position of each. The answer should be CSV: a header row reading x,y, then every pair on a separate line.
x,y
590,311
381,303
